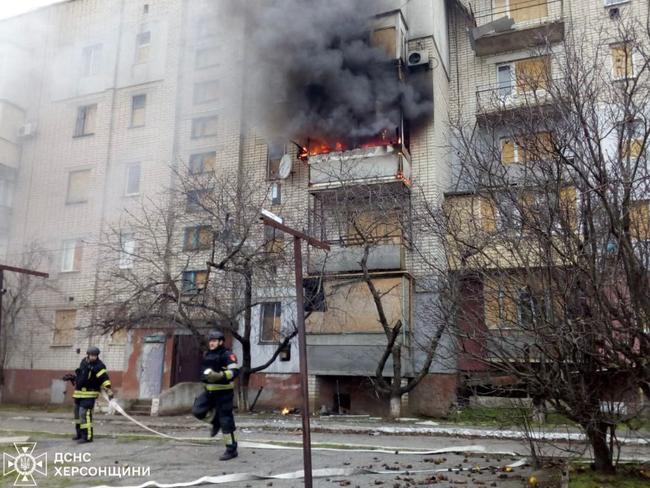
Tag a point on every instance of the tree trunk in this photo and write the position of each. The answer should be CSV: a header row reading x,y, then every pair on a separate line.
x,y
244,382
597,436
395,406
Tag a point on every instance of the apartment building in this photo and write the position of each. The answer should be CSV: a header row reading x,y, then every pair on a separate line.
x,y
103,101
518,62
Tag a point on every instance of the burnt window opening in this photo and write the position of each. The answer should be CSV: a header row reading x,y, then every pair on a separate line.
x,y
275,152
314,295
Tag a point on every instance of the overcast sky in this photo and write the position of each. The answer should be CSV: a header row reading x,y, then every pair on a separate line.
x,y
15,7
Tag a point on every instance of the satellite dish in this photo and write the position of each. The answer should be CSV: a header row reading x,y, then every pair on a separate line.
x,y
285,167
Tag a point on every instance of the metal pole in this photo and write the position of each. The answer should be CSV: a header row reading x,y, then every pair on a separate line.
x,y
300,313
2,343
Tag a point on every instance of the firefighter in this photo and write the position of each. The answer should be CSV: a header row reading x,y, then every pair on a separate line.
x,y
215,404
89,378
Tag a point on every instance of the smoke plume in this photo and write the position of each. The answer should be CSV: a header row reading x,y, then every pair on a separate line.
x,y
317,75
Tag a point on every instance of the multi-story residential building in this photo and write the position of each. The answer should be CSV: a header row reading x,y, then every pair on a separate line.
x,y
114,95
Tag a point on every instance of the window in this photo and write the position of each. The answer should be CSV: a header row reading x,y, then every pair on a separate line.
x,y
509,151
206,28
91,60
275,152
132,184
521,10
204,126
195,200
528,308
207,91
271,323
71,257
508,215
632,139
197,238
640,220
526,148
138,108
273,239
194,281
202,162
142,47
275,193
127,248
78,186
85,124
622,61
64,322
206,58
6,192
524,76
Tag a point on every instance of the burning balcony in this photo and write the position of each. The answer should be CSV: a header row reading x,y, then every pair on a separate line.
x,y
364,226
510,25
383,160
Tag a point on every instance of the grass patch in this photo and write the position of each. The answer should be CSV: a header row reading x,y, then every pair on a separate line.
x,y
627,476
503,417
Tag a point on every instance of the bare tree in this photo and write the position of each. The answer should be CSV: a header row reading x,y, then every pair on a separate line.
x,y
194,258
547,232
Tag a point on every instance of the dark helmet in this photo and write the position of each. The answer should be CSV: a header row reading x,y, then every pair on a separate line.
x,y
216,335
93,351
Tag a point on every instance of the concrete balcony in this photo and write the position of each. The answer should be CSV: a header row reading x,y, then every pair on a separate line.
x,y
387,256
372,165
499,99
511,25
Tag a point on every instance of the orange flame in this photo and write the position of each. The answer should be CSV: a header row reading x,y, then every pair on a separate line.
x,y
285,411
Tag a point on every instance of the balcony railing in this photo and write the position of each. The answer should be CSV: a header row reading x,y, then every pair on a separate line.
x,y
378,164
516,24
502,97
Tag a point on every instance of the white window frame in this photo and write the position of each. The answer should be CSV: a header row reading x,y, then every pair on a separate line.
x,y
68,253
91,62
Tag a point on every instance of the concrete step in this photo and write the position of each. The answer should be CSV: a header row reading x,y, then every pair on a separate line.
x,y
140,407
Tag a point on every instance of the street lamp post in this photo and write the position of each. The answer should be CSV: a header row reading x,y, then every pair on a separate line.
x,y
276,222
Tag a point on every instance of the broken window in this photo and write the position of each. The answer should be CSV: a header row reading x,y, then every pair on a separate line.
x,y
142,47
132,179
85,124
127,248
197,238
78,186
194,281
206,57
271,323
206,91
622,61
91,58
64,323
275,151
202,162
138,110
71,255
204,126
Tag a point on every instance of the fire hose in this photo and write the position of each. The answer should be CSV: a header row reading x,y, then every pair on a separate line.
x,y
317,473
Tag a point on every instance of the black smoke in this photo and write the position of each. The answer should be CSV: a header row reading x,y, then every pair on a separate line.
x,y
317,76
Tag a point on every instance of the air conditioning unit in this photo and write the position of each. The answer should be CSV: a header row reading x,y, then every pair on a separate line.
x,y
417,59
27,130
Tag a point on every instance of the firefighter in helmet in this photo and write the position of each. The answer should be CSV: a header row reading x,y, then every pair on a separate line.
x,y
88,379
215,404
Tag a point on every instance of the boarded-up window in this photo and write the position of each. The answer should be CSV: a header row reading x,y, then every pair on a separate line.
x,y
568,207
64,323
199,237
119,336
204,126
386,40
499,304
368,225
207,91
71,255
536,147
202,162
351,308
271,322
488,214
509,151
85,124
532,74
142,47
521,10
622,61
138,110
78,186
632,139
640,220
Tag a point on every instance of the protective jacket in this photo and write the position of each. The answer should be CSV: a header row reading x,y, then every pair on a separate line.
x,y
90,378
220,359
